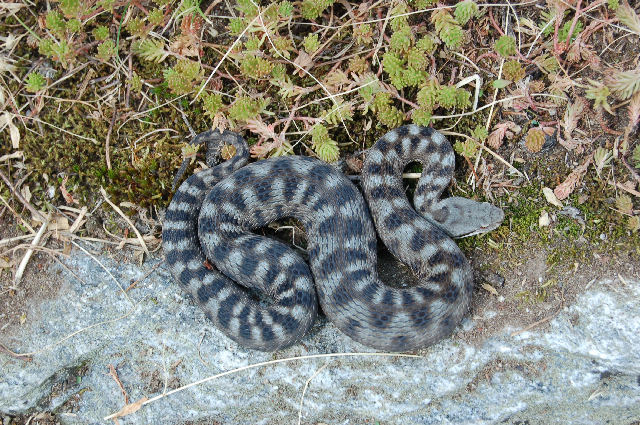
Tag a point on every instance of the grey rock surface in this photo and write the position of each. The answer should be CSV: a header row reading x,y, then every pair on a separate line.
x,y
583,368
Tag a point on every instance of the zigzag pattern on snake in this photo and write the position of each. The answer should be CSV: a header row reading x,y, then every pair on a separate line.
x,y
213,213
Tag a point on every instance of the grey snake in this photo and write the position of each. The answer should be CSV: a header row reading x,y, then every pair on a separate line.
x,y
213,253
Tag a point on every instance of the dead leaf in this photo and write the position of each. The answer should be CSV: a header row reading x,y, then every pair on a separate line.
x,y
499,132
304,62
6,120
139,257
188,42
563,190
186,45
68,198
337,79
13,155
58,222
26,193
634,223
624,204
544,219
489,289
551,197
227,152
129,408
220,122
35,221
572,115
266,132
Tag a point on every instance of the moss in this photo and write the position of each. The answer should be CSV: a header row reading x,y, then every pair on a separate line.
x,y
141,173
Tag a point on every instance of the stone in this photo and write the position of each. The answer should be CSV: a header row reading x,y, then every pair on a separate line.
x,y
581,367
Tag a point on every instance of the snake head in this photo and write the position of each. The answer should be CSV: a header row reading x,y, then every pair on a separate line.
x,y
462,217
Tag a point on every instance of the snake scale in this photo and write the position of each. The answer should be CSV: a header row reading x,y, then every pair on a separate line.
x,y
214,256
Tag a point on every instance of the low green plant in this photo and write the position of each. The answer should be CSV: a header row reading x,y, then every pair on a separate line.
x,y
447,97
156,17
347,77
468,148
448,28
325,147
598,92
246,108
340,112
563,34
363,33
35,82
311,9
256,67
56,23
101,32
428,95
480,133
183,77
513,70
465,10
106,50
59,50
386,112
150,49
505,46
311,43
421,116
212,104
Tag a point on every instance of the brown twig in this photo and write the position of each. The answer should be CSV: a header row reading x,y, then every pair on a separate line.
x,y
130,77
599,116
145,276
124,216
630,168
573,25
29,253
556,47
494,23
473,170
24,202
114,375
538,323
22,357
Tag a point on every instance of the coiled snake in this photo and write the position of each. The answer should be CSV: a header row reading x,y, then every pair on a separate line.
x,y
213,212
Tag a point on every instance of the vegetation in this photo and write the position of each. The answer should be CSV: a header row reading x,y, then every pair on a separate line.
x,y
104,93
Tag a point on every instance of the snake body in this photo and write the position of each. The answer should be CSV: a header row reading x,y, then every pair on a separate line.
x,y
213,254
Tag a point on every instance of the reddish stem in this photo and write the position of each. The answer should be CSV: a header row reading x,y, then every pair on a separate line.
x,y
573,25
494,23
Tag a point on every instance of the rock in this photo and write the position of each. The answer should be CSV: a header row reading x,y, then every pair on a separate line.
x,y
582,368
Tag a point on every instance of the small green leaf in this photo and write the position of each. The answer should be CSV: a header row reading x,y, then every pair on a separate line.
x,y
500,84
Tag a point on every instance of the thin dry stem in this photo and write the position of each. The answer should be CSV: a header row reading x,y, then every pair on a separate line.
x,y
261,364
27,255
124,216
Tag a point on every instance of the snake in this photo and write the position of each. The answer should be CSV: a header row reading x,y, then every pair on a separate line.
x,y
262,294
